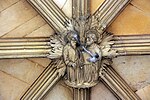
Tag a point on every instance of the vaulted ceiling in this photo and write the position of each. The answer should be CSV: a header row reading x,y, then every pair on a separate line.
x,y
19,19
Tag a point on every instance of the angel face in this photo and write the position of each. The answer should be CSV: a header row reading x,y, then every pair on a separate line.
x,y
71,39
90,38
73,42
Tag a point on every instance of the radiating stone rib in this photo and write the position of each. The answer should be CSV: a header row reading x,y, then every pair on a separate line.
x,y
132,45
48,78
107,12
80,14
118,86
24,48
52,14
80,9
81,94
31,47
131,37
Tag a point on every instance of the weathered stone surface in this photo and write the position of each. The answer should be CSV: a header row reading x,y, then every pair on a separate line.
x,y
10,87
44,62
21,69
4,4
134,69
19,19
100,92
44,31
144,93
142,5
27,28
131,21
67,8
15,15
60,3
60,92
95,5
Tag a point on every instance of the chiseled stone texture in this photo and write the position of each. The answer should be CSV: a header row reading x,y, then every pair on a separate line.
x,y
134,69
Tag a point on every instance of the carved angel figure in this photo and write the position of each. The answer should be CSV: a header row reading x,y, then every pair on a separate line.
x,y
82,60
91,68
73,59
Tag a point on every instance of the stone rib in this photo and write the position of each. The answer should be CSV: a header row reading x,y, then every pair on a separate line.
x,y
132,45
80,9
119,87
48,78
52,14
107,12
81,94
24,48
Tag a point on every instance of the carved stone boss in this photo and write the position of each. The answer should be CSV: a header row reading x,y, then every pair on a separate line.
x,y
81,50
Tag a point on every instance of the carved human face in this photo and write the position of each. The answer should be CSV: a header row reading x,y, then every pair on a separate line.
x,y
70,38
91,38
73,42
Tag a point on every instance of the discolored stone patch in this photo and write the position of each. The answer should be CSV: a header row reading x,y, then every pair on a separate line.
x,y
10,88
134,69
21,69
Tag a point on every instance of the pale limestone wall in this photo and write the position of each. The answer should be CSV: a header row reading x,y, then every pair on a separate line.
x,y
18,19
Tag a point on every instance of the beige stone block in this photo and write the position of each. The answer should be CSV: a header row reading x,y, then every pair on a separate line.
x,y
15,16
95,4
21,69
60,3
4,4
10,88
144,93
41,61
60,92
143,5
131,21
44,31
100,92
134,69
27,28
67,8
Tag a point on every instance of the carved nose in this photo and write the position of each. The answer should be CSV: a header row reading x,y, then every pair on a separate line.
x,y
82,40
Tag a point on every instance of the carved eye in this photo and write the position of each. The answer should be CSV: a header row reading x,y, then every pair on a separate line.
x,y
88,38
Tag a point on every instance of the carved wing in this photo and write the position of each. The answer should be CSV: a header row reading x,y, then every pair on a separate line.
x,y
56,47
106,44
106,13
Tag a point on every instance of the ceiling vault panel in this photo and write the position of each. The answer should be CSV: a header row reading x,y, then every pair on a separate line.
x,y
80,48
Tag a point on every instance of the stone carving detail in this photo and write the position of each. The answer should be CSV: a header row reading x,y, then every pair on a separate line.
x,y
83,46
56,47
82,59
